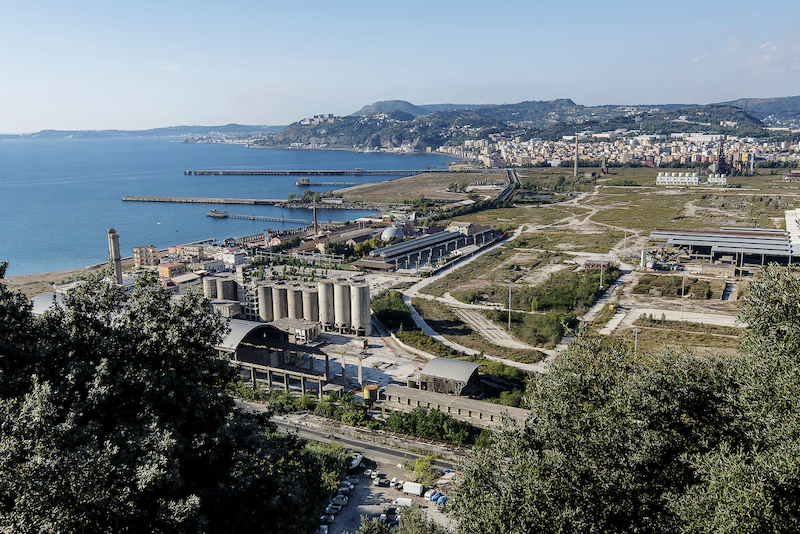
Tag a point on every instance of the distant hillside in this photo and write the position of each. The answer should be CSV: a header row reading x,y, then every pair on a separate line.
x,y
783,109
170,131
387,129
408,107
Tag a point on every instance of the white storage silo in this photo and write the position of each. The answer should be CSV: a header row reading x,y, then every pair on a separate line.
x,y
279,306
210,287
310,304
294,298
265,303
341,306
360,318
325,296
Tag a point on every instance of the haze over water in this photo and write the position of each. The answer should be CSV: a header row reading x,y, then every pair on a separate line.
x,y
58,197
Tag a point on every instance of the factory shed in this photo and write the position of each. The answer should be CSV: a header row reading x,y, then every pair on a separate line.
x,y
447,375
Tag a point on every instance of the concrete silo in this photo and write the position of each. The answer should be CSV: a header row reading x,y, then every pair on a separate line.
x,y
341,306
264,293
294,298
360,319
310,304
226,289
325,296
210,287
279,304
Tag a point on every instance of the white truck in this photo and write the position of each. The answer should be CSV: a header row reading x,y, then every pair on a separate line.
x,y
403,501
414,488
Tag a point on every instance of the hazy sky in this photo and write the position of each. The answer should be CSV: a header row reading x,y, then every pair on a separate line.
x,y
137,65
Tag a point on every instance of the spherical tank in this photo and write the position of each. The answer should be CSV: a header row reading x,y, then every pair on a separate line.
x,y
265,303
341,306
210,287
294,297
360,310
310,304
279,305
325,296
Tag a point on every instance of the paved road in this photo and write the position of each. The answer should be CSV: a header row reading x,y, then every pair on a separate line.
x,y
372,451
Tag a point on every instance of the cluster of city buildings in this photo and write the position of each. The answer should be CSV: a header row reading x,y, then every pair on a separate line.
x,y
622,146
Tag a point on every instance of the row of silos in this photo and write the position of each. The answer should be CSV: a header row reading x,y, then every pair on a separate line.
x,y
219,288
340,305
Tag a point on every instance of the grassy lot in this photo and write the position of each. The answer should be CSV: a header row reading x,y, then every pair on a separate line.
x,y
467,273
555,239
410,188
653,339
671,286
447,323
694,328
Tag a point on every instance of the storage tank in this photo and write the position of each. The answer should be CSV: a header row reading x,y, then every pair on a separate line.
x,y
325,296
370,392
294,297
265,303
210,287
279,305
359,309
226,289
310,304
341,306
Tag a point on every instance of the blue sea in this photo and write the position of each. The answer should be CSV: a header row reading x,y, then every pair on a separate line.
x,y
58,197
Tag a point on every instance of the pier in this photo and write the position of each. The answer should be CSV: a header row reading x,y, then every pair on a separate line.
x,y
226,215
305,182
206,200
300,172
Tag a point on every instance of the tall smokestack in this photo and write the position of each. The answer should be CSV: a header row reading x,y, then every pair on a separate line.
x,y
575,173
113,252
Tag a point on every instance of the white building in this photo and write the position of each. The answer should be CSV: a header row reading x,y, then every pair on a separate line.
x,y
717,179
678,178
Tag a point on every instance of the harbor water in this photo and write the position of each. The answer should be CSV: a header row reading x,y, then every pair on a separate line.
x,y
58,197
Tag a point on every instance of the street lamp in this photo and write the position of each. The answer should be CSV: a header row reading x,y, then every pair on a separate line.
x,y
635,341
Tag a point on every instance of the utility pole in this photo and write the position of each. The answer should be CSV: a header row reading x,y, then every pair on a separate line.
x,y
601,273
575,173
683,292
635,341
509,306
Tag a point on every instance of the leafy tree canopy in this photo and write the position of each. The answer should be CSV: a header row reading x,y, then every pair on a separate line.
x,y
670,442
114,418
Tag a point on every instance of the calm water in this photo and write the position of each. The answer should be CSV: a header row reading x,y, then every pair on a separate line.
x,y
58,197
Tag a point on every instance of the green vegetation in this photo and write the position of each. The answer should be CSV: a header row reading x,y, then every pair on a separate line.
x,y
413,520
429,423
391,311
671,286
664,442
447,323
116,419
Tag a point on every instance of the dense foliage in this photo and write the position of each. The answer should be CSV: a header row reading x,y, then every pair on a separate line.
x,y
114,418
670,442
430,423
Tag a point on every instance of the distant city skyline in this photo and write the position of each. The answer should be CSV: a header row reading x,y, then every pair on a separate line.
x,y
90,65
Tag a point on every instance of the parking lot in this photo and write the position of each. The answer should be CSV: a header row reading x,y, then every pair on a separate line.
x,y
370,500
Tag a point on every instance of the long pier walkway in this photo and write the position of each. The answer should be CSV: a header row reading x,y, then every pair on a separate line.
x,y
301,172
206,200
226,215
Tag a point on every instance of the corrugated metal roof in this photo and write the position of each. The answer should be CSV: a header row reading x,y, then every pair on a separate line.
x,y
457,370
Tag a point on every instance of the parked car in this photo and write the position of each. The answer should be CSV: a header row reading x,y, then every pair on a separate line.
x,y
326,518
352,479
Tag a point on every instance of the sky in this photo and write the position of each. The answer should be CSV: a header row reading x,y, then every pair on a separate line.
x,y
94,65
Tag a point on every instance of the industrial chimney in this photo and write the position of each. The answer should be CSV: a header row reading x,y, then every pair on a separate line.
x,y
113,252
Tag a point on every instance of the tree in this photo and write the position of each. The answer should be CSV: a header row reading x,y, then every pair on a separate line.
x,y
114,418
669,442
